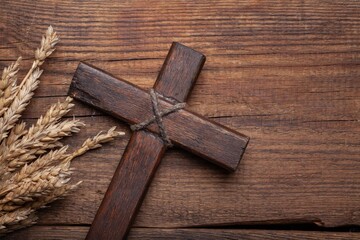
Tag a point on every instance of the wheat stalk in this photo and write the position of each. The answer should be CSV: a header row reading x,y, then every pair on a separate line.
x,y
34,165
40,136
54,113
29,84
25,149
8,86
47,47
95,142
45,160
27,219
21,100
15,216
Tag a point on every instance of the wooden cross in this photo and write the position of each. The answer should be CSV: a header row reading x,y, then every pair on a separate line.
x,y
145,149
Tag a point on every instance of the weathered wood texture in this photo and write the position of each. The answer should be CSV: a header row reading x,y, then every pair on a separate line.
x,y
284,73
79,233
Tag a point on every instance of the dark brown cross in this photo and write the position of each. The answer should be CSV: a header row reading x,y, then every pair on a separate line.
x,y
143,154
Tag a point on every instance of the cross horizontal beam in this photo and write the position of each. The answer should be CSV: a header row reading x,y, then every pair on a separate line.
x,y
132,104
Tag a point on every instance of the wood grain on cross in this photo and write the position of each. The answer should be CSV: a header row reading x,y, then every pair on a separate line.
x,y
139,162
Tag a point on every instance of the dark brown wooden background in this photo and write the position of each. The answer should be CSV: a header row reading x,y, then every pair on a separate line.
x,y
285,73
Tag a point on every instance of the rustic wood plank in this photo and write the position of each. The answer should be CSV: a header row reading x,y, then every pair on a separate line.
x,y
229,234
79,233
284,73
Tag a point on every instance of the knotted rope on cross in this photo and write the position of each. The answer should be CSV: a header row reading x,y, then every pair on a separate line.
x,y
157,117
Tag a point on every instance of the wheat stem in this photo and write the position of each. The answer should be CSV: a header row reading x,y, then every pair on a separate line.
x,y
46,160
8,85
95,142
55,112
47,47
25,149
17,219
37,184
21,100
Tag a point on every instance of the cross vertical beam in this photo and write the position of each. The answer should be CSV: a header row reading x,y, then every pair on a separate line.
x,y
128,187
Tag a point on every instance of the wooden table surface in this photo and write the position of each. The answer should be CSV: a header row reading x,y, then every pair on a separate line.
x,y
285,73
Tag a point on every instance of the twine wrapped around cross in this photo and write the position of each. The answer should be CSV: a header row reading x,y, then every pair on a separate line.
x,y
157,117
